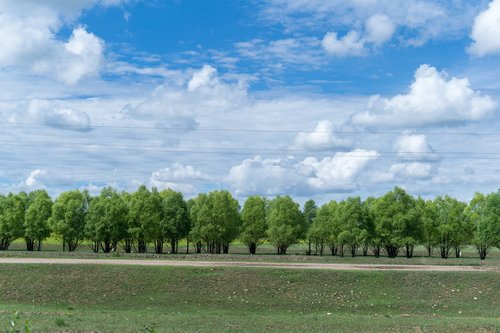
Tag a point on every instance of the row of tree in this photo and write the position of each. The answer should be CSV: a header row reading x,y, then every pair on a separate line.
x,y
391,223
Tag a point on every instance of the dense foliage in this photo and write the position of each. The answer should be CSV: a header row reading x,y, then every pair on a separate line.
x,y
393,223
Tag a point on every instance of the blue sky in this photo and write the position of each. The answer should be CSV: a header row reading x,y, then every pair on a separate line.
x,y
313,98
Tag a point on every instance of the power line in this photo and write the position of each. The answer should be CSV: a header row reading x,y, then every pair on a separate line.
x,y
256,130
251,150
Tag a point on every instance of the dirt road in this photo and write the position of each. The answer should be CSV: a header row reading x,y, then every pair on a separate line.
x,y
178,263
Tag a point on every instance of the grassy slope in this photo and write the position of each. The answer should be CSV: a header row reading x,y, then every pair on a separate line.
x,y
131,299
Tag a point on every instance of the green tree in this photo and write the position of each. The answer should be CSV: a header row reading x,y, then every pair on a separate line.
x,y
106,220
175,224
145,215
216,221
285,223
320,231
36,220
451,224
199,213
484,213
127,239
429,215
12,214
351,217
397,222
68,218
254,222
310,210
369,238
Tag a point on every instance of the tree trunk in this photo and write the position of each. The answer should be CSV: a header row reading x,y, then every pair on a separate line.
x,y
457,251
252,248
483,251
445,251
341,250
106,246
73,245
159,246
141,246
429,248
353,250
30,244
4,244
376,251
173,246
198,247
365,250
94,246
392,251
321,246
309,249
282,249
127,246
409,250
39,244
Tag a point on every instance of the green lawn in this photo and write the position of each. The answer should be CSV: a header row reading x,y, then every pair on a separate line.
x,y
134,299
266,252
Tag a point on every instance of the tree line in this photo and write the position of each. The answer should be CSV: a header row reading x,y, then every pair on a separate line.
x,y
392,224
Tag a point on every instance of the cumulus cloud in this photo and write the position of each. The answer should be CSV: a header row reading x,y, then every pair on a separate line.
x,y
379,28
413,146
178,177
278,176
264,176
321,138
53,115
30,28
178,105
486,30
405,171
338,172
433,98
350,44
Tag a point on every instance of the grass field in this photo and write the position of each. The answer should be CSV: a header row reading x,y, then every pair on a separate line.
x,y
134,299
238,252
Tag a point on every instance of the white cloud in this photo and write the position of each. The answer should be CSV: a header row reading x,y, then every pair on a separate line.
x,y
53,115
291,51
264,176
205,77
178,177
350,44
413,146
405,172
486,31
338,172
30,28
433,98
379,28
178,105
32,179
278,176
321,138
421,20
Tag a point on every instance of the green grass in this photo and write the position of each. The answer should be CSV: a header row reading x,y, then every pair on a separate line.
x,y
134,299
237,253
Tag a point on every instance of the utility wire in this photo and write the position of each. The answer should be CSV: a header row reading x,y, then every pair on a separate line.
x,y
255,130
251,150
